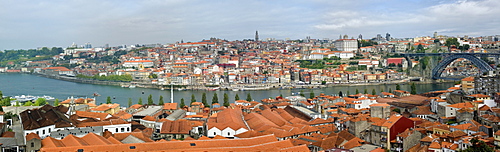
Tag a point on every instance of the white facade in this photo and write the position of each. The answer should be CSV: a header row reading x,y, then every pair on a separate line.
x,y
137,64
346,44
227,132
118,128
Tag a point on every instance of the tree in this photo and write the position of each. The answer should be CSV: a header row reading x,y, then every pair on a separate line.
x,y
140,101
357,91
374,92
28,103
249,97
1,108
182,103
56,102
390,90
1,95
5,101
397,110
215,99
420,47
413,88
204,99
17,103
348,93
452,41
236,97
108,100
340,94
398,87
311,95
160,102
366,91
226,100
478,145
40,102
193,98
129,102
381,89
150,100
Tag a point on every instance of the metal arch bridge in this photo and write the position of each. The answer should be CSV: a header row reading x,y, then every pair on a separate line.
x,y
450,57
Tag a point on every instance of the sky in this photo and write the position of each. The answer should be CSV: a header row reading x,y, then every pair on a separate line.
x,y
26,24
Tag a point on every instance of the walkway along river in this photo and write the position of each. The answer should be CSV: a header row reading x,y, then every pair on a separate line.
x,y
12,84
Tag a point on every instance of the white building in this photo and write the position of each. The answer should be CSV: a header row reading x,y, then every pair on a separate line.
x,y
138,64
346,44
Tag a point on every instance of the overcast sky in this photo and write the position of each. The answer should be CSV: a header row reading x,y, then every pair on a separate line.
x,y
35,23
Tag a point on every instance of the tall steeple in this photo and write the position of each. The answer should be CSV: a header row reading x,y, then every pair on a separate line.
x,y
256,35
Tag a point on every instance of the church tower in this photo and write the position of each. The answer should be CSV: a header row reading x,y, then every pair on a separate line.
x,y
256,35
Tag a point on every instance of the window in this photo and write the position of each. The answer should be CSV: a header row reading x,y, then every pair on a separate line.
x,y
116,129
123,129
43,131
49,129
229,134
128,129
215,134
32,144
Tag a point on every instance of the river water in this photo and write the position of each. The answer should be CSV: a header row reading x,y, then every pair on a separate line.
x,y
12,84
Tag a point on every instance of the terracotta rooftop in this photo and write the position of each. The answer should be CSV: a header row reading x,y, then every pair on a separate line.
x,y
261,143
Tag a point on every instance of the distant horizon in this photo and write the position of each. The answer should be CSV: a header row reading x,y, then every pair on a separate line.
x,y
260,39
29,24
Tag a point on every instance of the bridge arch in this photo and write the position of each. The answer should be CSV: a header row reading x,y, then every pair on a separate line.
x,y
481,64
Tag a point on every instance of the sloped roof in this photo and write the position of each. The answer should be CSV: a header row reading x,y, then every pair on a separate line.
x,y
44,116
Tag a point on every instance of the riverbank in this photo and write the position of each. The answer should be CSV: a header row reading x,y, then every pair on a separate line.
x,y
238,87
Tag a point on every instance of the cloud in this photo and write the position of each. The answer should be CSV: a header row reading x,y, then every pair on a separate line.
x,y
30,24
454,18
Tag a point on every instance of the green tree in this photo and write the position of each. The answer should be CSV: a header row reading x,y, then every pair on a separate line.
x,y
390,90
56,102
420,48
311,95
374,92
365,91
150,100
226,100
478,145
160,102
236,97
129,102
452,41
17,104
193,98
381,89
204,99
215,99
6,101
40,102
397,110
398,87
1,108
249,97
1,95
28,103
182,103
140,101
413,88
357,91
108,100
